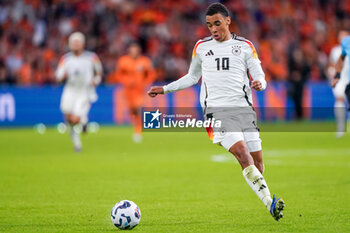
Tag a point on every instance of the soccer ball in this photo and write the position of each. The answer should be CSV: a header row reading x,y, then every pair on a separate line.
x,y
125,215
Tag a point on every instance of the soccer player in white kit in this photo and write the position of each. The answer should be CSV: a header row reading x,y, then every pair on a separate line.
x,y
224,61
339,89
82,71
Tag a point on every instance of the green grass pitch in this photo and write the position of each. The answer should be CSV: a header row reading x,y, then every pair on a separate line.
x,y
46,187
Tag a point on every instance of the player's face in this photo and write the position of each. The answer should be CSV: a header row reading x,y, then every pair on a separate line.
x,y
134,50
341,35
77,46
218,26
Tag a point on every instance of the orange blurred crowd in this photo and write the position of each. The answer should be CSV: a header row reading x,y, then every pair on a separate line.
x,y
34,33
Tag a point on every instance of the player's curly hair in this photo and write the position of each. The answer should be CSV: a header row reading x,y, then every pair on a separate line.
x,y
217,7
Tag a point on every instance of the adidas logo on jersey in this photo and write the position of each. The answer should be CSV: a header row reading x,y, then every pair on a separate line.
x,y
209,53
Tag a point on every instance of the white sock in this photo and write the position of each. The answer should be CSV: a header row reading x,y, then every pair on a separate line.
x,y
340,116
257,182
75,136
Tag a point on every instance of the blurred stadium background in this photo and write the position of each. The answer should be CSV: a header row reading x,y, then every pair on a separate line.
x,y
181,181
293,39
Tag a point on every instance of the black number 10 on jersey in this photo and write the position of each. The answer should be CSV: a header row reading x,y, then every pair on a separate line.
x,y
224,63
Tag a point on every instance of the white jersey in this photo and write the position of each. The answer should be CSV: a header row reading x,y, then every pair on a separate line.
x,y
224,68
81,71
334,56
339,89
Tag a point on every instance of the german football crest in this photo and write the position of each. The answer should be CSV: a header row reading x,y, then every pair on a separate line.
x,y
236,50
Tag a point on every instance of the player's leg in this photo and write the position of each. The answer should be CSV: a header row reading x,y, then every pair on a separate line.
x,y
258,161
253,141
235,143
240,151
255,179
252,138
80,109
340,116
136,119
68,102
85,118
67,118
71,122
66,106
347,94
250,172
74,119
72,125
339,107
134,98
93,97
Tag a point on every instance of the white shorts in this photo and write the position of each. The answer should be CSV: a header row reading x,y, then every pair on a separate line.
x,y
75,104
235,128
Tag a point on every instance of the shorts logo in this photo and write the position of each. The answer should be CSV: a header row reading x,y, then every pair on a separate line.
x,y
151,120
236,50
222,131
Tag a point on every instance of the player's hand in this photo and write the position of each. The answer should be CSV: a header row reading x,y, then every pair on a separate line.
x,y
335,80
154,91
256,85
65,76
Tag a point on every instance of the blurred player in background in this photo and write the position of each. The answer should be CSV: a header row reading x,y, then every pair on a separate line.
x,y
225,61
339,66
82,71
135,72
339,89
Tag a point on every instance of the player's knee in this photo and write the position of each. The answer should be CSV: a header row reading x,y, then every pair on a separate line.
x,y
69,118
75,120
239,149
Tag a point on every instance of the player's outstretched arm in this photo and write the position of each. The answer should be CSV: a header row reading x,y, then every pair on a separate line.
x,y
191,78
61,73
155,90
98,70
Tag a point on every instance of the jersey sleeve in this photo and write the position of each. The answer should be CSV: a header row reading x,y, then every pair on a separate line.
x,y
254,65
334,55
61,69
191,78
97,64
343,47
98,69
